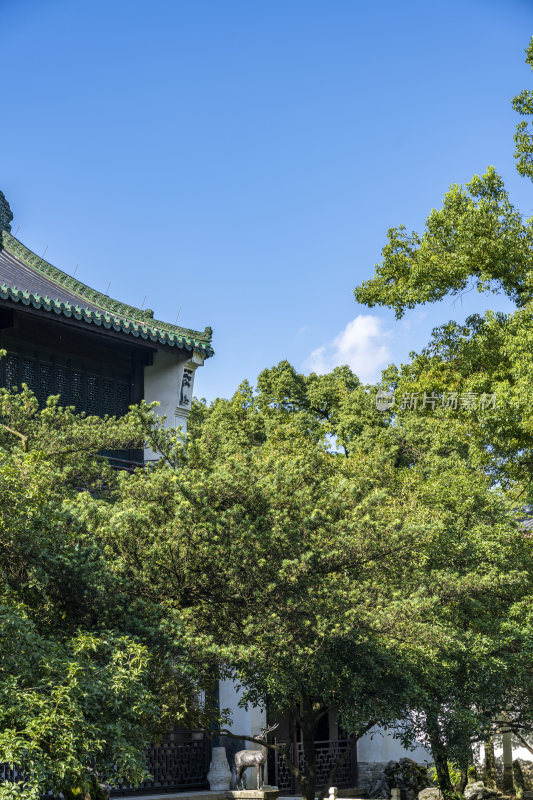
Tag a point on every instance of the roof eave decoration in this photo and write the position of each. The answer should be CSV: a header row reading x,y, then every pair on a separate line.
x,y
6,215
109,313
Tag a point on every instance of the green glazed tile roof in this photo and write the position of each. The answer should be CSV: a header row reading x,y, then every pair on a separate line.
x,y
19,267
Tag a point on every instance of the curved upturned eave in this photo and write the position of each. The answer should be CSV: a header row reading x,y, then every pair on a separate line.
x,y
109,322
120,318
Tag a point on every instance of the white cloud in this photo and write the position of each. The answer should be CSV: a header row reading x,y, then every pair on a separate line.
x,y
363,345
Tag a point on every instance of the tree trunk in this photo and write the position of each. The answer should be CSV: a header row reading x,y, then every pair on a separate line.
x,y
308,717
465,761
440,756
308,740
489,774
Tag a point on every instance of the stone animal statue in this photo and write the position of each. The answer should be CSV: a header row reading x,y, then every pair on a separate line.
x,y
252,758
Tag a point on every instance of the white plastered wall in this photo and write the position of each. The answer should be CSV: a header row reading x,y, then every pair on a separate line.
x,y
379,745
244,722
161,384
519,751
169,381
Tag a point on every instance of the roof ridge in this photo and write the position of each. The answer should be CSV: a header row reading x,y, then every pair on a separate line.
x,y
106,304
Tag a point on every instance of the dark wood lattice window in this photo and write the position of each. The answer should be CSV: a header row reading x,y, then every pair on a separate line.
x,y
94,394
46,380
11,372
60,385
28,372
108,397
92,398
86,391
76,388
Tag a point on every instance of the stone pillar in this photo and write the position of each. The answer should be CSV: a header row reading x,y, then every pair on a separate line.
x,y
507,761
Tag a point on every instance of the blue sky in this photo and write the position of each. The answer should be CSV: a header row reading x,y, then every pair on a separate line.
x,y
239,162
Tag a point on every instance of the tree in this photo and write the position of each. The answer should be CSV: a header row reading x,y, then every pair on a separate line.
x,y
256,559
523,103
302,543
319,554
89,673
476,240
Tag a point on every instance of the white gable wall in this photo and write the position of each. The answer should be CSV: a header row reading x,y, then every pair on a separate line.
x,y
169,381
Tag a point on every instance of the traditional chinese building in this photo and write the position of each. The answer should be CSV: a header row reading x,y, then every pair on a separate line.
x,y
96,353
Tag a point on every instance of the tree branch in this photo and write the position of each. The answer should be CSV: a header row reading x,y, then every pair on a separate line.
x,y
23,439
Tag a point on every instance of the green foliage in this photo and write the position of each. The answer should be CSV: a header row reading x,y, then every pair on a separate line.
x,y
319,552
69,703
361,562
89,667
523,103
476,240
472,773
453,769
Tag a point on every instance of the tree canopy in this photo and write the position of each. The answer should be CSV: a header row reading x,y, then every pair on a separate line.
x,y
90,670
303,543
475,378
324,556
478,239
